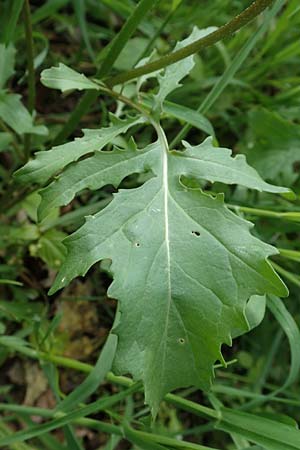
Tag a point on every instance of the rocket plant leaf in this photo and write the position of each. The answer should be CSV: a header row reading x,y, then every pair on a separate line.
x,y
170,78
184,266
49,163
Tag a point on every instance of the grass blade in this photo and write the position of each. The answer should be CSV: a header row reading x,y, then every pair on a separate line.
x,y
38,430
13,17
94,379
270,434
292,332
79,8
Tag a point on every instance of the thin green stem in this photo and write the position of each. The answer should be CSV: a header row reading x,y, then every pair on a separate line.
x,y
50,414
192,407
229,73
116,47
221,33
60,419
292,255
131,24
30,56
30,70
285,215
241,393
62,361
73,417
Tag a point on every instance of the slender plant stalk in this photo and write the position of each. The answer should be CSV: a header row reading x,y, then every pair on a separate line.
x,y
15,11
116,47
119,430
131,24
229,73
50,414
30,70
62,361
284,215
221,33
30,57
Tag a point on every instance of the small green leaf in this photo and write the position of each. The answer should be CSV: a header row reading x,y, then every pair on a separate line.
x,y
170,79
50,248
19,309
66,79
16,116
18,235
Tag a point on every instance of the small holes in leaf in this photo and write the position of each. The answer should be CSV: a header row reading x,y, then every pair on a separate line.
x,y
137,244
196,233
181,341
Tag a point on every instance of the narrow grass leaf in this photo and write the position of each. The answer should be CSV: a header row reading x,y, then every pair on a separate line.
x,y
7,63
94,379
48,9
194,118
37,430
290,328
13,17
270,434
79,8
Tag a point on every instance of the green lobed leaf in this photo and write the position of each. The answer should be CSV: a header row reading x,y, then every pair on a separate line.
x,y
48,163
93,173
184,266
66,79
215,164
170,79
202,162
